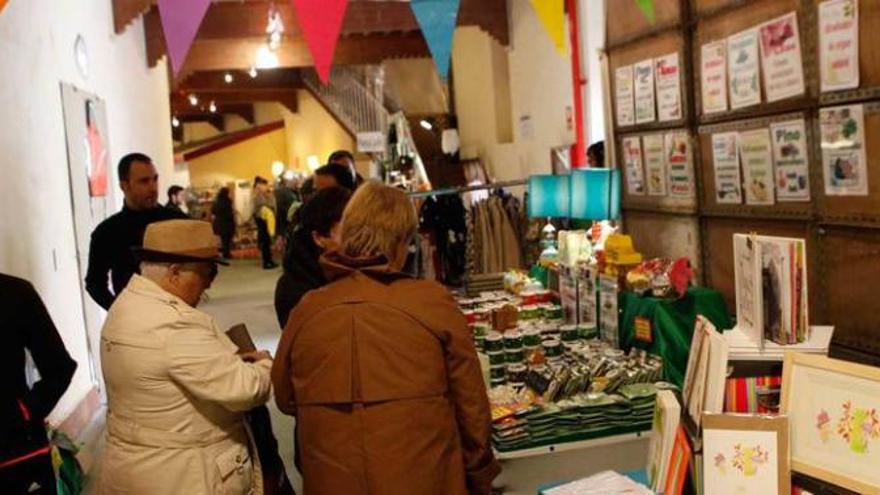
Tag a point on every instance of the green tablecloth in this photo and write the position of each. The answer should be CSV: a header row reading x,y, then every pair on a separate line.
x,y
672,325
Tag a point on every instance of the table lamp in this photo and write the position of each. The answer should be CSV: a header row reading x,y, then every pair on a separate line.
x,y
549,198
595,194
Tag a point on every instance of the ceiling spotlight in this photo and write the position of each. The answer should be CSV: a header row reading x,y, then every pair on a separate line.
x,y
266,58
426,125
175,122
212,107
193,100
274,28
253,72
228,78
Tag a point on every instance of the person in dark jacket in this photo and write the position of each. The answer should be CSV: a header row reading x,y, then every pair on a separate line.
x,y
316,231
176,198
24,449
224,221
110,250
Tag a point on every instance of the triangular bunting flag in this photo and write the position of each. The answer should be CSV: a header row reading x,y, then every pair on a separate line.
x,y
180,23
2,4
321,22
552,16
647,8
438,19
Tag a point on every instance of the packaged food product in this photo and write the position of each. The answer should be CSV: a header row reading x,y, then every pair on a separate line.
x,y
494,342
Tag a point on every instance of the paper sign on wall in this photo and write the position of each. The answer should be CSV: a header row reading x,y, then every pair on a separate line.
x,y
655,164
713,73
843,151
745,74
791,160
754,150
781,58
668,78
626,112
635,176
725,161
839,44
371,142
644,83
680,167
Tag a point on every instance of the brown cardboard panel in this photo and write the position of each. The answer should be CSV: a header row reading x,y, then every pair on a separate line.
x,y
850,271
625,21
709,7
655,46
860,208
658,235
718,252
781,209
746,16
869,55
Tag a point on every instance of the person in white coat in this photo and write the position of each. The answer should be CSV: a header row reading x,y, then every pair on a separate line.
x,y
177,388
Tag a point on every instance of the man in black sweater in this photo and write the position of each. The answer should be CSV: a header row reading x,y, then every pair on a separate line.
x,y
24,448
112,240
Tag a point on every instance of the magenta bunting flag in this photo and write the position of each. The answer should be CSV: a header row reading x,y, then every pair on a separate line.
x,y
321,22
180,22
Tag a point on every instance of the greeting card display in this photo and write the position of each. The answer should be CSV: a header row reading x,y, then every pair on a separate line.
x,y
757,161
713,74
679,164
839,44
725,161
626,107
791,160
644,82
635,174
771,288
844,163
745,454
667,74
655,163
781,58
745,73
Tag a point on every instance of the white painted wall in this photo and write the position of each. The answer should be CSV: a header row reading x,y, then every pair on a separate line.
x,y
36,228
592,20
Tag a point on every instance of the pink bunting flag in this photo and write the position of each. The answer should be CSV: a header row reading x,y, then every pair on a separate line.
x,y
180,22
321,23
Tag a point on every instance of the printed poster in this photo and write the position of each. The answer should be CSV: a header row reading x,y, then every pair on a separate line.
x,y
655,164
644,82
635,175
781,58
745,73
678,161
713,72
741,461
725,160
755,153
791,160
668,78
843,151
839,44
625,103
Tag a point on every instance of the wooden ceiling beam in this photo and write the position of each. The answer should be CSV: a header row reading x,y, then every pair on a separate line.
x,y
242,81
182,108
287,97
126,11
215,119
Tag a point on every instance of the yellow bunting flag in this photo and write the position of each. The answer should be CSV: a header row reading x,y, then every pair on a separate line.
x,y
552,16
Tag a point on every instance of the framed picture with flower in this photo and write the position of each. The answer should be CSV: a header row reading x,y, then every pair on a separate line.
x,y
834,409
745,454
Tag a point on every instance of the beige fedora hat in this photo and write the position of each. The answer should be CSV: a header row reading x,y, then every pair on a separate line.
x,y
179,241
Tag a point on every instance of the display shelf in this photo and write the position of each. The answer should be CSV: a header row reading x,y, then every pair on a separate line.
x,y
565,446
744,349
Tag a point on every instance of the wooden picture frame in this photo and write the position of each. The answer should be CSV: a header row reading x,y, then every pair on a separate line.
x,y
740,453
834,410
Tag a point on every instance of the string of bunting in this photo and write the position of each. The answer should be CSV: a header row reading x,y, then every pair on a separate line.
x,y
3,4
437,19
551,13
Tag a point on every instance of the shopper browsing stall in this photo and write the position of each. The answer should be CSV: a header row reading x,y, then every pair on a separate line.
x,y
403,408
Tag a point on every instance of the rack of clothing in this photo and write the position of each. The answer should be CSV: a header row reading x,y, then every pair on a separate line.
x,y
462,234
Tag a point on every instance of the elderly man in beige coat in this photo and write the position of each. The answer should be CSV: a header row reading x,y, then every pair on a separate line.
x,y
176,386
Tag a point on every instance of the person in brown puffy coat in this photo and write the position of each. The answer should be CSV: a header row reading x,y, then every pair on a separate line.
x,y
380,369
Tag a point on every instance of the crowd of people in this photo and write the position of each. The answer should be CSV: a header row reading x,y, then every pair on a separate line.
x,y
378,368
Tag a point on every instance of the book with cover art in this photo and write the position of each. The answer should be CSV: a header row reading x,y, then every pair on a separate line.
x,y
667,413
771,288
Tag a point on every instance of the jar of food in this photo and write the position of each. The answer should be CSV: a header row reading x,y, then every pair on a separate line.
x,y
483,314
496,358
568,333
515,355
481,329
497,382
534,355
552,348
532,337
553,312
513,340
588,332
494,342
517,373
480,342
470,316
498,372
